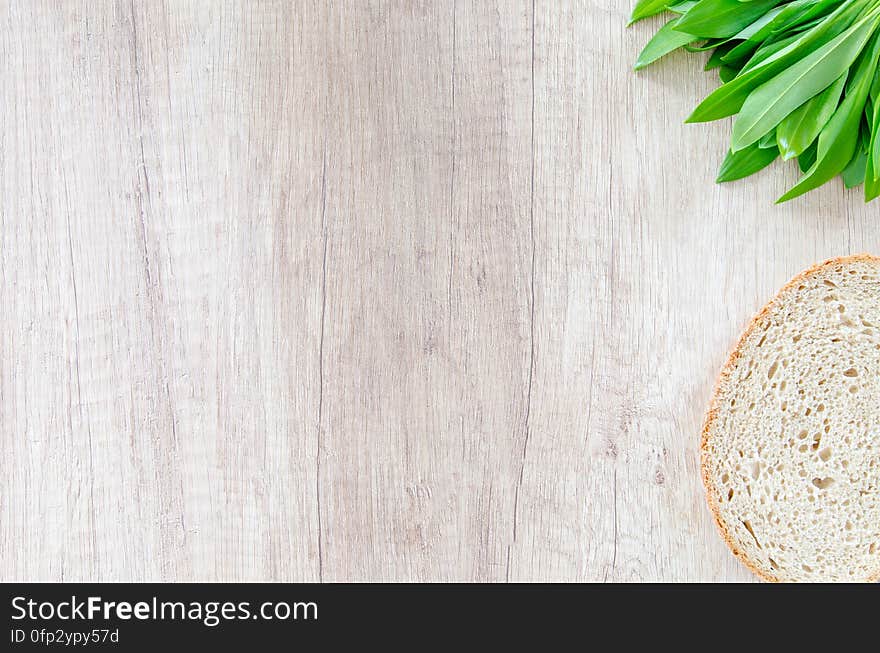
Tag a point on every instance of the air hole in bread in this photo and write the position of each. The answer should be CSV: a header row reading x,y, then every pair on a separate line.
x,y
823,483
851,372
825,454
772,370
751,531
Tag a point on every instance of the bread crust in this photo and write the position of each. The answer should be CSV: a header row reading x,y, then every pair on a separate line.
x,y
712,413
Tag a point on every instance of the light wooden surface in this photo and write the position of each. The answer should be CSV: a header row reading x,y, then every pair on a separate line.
x,y
368,291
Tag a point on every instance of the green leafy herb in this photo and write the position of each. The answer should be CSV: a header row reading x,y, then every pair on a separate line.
x,y
665,41
801,77
746,162
646,8
803,125
723,18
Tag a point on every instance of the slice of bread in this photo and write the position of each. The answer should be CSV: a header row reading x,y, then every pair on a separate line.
x,y
791,443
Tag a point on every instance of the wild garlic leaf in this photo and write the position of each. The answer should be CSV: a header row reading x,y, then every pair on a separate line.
x,y
768,141
872,165
647,8
755,34
738,165
767,50
872,187
872,162
874,144
723,18
804,12
716,59
727,73
801,127
682,7
665,41
808,158
854,173
711,44
865,129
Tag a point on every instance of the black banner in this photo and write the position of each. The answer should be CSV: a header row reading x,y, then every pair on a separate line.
x,y
129,617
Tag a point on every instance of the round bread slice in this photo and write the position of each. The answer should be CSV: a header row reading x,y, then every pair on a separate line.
x,y
791,443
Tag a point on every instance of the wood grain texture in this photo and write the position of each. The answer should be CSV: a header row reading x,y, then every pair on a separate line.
x,y
368,291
